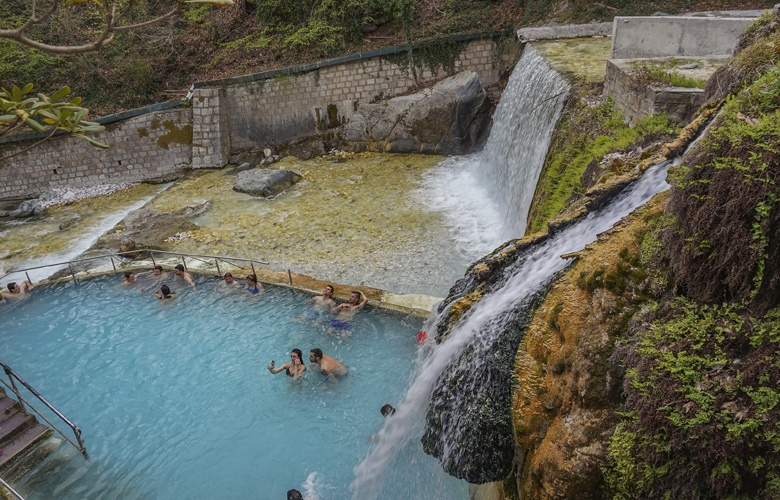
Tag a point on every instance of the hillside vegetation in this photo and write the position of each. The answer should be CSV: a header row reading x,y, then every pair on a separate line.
x,y
160,62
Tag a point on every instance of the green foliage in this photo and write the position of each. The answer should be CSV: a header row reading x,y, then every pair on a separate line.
x,y
577,147
19,111
724,245
664,74
703,388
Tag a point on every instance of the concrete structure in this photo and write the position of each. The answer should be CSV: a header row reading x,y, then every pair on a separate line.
x,y
566,31
705,41
662,36
243,113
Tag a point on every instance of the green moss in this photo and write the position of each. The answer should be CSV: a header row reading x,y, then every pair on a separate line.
x,y
575,148
143,132
701,393
175,135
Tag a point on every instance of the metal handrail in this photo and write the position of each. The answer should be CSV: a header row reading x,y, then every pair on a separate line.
x,y
13,375
11,490
69,263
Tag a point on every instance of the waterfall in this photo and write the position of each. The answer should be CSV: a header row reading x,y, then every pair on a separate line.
x,y
478,329
523,124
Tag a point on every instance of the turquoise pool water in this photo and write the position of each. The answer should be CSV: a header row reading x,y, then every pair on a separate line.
x,y
175,402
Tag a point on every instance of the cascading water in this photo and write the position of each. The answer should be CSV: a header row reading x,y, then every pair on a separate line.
x,y
523,124
478,330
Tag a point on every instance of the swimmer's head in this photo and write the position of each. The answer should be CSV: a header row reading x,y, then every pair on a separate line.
x,y
165,291
228,278
251,279
298,353
294,495
386,410
354,298
328,290
179,269
158,270
315,355
129,274
12,286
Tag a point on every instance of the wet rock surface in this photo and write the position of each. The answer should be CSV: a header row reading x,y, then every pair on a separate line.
x,y
144,228
450,118
265,183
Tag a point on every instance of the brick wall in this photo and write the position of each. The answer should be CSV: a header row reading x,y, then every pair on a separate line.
x,y
230,116
278,109
142,147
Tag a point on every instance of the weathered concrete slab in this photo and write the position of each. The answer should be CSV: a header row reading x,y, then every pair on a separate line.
x,y
566,31
662,36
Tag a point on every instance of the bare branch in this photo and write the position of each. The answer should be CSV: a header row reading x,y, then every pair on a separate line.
x,y
28,147
148,23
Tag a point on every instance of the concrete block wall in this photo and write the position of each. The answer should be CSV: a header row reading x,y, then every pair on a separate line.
x,y
637,101
230,116
210,138
665,36
279,109
142,147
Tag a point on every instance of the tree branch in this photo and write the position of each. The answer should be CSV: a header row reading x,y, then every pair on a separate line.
x,y
28,147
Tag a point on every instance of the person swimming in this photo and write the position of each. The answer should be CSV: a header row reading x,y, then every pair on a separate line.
x,y
164,293
17,291
330,367
347,312
252,285
158,275
295,368
130,278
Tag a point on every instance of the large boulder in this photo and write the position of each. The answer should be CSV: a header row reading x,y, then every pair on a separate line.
x,y
264,182
450,118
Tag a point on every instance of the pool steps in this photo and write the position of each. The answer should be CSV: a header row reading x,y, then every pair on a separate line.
x,y
19,432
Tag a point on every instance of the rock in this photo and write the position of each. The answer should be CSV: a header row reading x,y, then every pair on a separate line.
x,y
244,166
368,28
450,118
193,210
306,149
267,152
26,208
264,182
144,228
251,157
70,222
689,66
270,160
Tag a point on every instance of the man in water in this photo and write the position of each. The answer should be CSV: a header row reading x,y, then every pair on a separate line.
x,y
158,275
181,273
17,291
347,310
331,368
322,306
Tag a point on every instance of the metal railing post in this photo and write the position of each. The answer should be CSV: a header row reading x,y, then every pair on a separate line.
x,y
289,276
11,490
253,268
112,264
28,276
185,263
216,263
14,388
72,273
153,262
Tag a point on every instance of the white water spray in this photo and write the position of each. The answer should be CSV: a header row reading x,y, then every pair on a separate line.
x,y
538,268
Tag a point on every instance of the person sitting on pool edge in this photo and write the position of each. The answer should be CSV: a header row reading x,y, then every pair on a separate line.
x,y
329,367
322,305
347,310
18,291
294,368
252,285
180,272
164,293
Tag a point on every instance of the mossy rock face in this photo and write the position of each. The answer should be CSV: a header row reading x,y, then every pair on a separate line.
x,y
724,211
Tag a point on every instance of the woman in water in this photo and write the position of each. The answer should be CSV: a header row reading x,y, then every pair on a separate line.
x,y
294,368
164,293
252,285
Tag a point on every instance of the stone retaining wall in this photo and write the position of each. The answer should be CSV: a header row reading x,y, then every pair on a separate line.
x,y
237,114
143,147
